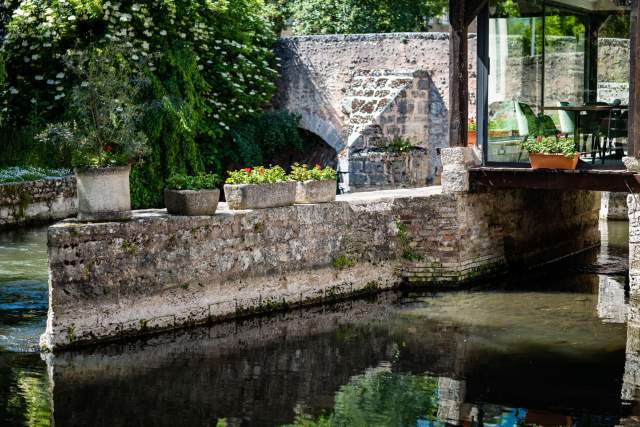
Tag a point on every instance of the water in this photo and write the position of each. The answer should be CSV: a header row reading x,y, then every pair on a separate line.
x,y
549,349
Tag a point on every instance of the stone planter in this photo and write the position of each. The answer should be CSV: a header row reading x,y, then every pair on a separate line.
x,y
103,193
191,202
315,191
258,196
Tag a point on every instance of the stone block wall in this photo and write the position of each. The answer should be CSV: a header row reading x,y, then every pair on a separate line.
x,y
37,202
155,272
614,206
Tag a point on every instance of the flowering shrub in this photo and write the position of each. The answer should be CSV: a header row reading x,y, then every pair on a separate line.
x,y
104,126
258,175
303,173
206,181
17,174
551,145
209,63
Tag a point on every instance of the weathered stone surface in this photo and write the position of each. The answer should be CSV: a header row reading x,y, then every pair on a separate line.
x,y
316,191
157,271
613,206
103,193
455,168
190,202
37,202
253,196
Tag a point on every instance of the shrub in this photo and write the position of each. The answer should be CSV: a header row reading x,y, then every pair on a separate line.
x,y
21,174
399,145
303,173
206,181
551,145
104,111
259,175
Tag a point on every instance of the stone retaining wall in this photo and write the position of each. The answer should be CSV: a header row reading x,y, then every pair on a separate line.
x,y
37,202
155,272
614,206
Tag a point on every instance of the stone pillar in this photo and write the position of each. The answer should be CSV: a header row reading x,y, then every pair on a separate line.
x,y
613,206
630,393
456,162
633,202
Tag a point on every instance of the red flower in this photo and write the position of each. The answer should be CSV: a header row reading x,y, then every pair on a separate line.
x,y
108,148
317,167
247,170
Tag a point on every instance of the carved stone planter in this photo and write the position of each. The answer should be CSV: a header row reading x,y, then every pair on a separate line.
x,y
258,196
103,193
315,191
191,202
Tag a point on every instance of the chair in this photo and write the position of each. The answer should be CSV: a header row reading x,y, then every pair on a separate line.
x,y
567,120
595,125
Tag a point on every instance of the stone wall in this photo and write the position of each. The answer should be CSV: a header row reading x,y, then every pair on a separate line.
x,y
37,202
614,206
360,91
154,272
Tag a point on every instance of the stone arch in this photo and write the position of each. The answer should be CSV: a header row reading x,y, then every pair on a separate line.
x,y
324,129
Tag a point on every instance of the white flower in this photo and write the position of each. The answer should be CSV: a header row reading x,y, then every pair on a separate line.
x,y
135,57
163,33
13,91
33,100
59,88
39,77
59,96
60,76
84,84
50,82
145,45
71,18
135,7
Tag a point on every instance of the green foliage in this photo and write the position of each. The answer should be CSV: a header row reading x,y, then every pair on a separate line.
x,y
550,145
363,16
472,126
21,174
104,116
341,262
303,173
197,182
380,398
399,145
258,175
209,62
263,139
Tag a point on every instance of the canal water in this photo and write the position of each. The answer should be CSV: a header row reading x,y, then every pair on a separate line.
x,y
545,349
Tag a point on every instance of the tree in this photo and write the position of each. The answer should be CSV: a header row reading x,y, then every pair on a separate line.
x,y
363,16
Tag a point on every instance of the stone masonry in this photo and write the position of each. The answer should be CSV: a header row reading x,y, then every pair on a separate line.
x,y
359,92
158,272
37,202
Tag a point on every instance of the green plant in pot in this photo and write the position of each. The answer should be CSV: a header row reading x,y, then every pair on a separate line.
x,y
552,152
192,195
102,132
314,185
259,187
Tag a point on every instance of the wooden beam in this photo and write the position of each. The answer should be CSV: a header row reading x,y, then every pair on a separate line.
x,y
458,74
473,9
620,181
634,82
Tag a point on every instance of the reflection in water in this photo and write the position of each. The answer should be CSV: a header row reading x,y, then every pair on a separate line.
x,y
548,350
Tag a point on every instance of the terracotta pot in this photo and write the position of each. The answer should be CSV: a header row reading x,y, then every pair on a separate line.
x,y
473,136
103,193
553,161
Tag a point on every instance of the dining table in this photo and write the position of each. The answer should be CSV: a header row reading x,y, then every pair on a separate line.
x,y
583,109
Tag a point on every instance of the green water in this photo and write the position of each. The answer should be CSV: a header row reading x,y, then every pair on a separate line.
x,y
545,349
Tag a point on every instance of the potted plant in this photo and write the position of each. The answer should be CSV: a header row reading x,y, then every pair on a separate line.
x,y
259,187
546,152
472,130
192,195
314,185
102,132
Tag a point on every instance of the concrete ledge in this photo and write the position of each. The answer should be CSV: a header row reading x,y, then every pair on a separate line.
x,y
158,272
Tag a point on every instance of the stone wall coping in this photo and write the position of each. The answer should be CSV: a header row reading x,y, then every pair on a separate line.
x,y
369,37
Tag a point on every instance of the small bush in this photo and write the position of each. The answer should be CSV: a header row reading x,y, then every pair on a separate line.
x,y
198,182
18,174
550,145
258,175
303,173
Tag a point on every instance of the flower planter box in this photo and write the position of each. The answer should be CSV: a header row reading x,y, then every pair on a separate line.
x,y
191,202
315,191
472,137
553,161
259,196
103,193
